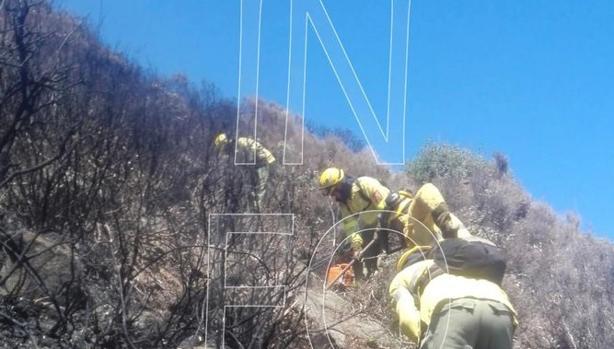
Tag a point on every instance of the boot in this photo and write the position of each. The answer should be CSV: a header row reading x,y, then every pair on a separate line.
x,y
443,219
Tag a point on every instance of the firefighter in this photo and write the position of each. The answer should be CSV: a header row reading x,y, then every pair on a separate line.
x,y
453,308
423,218
246,147
363,195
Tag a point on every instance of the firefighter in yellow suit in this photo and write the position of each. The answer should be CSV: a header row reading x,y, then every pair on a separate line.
x,y
264,161
423,218
363,195
450,311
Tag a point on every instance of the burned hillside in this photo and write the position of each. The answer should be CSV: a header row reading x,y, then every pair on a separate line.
x,y
117,225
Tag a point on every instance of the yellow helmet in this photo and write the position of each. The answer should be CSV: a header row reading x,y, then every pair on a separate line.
x,y
411,256
330,178
221,140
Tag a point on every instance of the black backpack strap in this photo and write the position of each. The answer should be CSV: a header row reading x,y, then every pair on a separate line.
x,y
422,281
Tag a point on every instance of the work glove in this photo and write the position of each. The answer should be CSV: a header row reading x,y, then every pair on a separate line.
x,y
357,242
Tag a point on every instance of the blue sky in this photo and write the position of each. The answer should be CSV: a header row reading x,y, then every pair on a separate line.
x,y
529,78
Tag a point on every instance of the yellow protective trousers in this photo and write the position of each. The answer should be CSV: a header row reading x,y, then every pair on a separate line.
x,y
424,232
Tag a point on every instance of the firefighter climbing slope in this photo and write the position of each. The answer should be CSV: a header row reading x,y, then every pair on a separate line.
x,y
264,160
454,302
424,218
447,293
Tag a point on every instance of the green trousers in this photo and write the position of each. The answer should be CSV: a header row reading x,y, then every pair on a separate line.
x,y
470,324
261,186
369,256
258,190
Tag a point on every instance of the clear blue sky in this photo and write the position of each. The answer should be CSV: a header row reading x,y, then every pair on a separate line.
x,y
529,78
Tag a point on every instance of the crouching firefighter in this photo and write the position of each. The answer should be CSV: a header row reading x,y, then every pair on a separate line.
x,y
423,219
367,197
456,301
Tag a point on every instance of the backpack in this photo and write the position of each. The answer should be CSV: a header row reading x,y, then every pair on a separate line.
x,y
469,258
390,200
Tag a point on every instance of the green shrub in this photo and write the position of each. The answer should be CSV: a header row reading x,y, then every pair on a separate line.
x,y
442,160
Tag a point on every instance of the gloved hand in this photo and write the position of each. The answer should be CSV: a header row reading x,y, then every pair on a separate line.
x,y
357,242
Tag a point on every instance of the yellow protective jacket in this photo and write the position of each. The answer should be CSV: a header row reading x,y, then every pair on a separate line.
x,y
444,288
367,194
247,146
